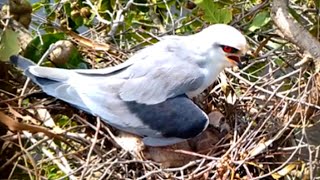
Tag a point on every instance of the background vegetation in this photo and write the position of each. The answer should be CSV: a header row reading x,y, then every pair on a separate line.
x,y
265,117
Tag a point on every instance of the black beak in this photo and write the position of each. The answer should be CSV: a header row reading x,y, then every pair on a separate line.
x,y
239,64
237,60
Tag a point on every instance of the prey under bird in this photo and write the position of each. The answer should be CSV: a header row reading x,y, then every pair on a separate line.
x,y
148,95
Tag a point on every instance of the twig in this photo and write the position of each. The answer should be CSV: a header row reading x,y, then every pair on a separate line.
x,y
49,154
95,11
91,148
119,18
44,56
294,31
269,92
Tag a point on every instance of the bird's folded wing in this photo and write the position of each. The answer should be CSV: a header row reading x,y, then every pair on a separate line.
x,y
161,83
156,72
105,71
165,70
141,55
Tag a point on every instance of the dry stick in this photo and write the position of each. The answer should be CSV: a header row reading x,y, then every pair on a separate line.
x,y
288,160
14,157
294,31
45,55
91,148
12,171
249,126
96,12
199,168
249,156
304,130
168,170
17,126
106,170
269,92
278,95
252,11
170,15
119,18
32,161
14,96
114,162
66,169
195,154
283,77
50,155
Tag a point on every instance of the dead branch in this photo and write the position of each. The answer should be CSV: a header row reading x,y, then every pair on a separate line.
x,y
295,32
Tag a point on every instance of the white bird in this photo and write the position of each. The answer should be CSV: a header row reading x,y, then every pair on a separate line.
x,y
148,94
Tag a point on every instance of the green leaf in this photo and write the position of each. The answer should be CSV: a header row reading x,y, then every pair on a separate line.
x,y
9,44
130,17
37,6
78,21
162,5
67,8
104,5
75,61
36,48
317,3
26,102
213,12
47,6
260,20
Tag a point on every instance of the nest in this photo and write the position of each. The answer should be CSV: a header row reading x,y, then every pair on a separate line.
x,y
264,125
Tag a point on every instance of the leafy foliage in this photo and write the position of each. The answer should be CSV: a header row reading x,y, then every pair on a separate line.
x,y
40,44
9,44
259,21
214,12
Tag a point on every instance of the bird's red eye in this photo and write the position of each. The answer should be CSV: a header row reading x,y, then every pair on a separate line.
x,y
227,49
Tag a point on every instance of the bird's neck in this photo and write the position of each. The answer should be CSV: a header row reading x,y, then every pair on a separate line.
x,y
210,68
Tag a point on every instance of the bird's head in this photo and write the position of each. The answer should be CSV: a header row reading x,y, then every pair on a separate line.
x,y
225,43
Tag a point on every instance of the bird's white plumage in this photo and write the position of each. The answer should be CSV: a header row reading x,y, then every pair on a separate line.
x,y
154,78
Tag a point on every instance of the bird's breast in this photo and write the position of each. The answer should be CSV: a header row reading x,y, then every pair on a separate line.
x,y
211,71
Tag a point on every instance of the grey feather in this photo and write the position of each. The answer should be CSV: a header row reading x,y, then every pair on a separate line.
x,y
165,73
161,83
152,141
113,93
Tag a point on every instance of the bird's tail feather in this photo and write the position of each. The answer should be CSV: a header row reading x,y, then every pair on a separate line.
x,y
21,62
25,64
51,86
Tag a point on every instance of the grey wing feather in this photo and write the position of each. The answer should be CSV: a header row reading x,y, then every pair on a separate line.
x,y
105,71
166,71
141,55
162,83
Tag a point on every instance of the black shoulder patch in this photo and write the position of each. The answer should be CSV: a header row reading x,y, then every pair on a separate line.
x,y
176,117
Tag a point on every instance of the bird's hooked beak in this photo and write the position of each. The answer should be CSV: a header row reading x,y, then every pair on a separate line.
x,y
235,58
